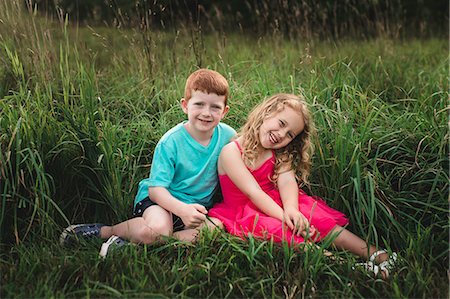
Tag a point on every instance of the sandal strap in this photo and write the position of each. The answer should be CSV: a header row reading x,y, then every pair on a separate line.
x,y
390,262
369,266
376,269
377,253
383,267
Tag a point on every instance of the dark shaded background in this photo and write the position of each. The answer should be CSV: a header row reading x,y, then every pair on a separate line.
x,y
336,19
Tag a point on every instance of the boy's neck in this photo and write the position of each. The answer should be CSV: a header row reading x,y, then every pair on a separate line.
x,y
201,137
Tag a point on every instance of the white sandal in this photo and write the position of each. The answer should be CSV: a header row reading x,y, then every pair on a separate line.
x,y
383,267
386,265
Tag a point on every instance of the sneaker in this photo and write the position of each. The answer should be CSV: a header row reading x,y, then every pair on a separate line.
x,y
112,244
74,233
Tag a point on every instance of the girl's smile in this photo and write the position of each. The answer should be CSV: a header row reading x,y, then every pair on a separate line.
x,y
281,128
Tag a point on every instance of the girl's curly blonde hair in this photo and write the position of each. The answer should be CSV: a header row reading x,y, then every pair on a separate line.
x,y
297,154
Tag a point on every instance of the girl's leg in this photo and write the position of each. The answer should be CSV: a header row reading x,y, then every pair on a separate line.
x,y
147,229
349,241
190,235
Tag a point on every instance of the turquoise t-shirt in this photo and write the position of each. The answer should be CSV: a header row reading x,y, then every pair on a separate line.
x,y
187,169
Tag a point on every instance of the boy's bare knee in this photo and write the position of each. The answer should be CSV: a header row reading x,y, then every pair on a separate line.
x,y
158,222
149,234
161,228
145,235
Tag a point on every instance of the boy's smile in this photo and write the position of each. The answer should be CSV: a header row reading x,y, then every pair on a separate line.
x,y
204,111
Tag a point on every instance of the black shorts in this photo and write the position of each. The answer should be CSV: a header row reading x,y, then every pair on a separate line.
x,y
147,202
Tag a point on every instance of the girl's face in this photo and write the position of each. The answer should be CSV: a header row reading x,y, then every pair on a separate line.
x,y
281,128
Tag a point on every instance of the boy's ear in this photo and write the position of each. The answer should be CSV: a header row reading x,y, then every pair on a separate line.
x,y
225,111
183,104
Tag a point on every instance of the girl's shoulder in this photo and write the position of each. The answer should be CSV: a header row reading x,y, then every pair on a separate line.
x,y
232,147
230,156
235,143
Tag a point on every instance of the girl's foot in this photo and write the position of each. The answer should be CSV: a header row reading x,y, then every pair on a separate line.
x,y
380,263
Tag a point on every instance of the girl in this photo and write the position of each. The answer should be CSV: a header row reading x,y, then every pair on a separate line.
x,y
258,174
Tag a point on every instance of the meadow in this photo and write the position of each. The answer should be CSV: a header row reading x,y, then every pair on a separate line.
x,y
82,108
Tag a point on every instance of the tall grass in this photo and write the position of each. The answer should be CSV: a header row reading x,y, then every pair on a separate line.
x,y
81,111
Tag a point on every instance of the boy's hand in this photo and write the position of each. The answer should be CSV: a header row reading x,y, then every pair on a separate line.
x,y
298,223
193,215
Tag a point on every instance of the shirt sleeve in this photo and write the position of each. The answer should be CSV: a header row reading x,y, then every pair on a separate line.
x,y
163,165
230,131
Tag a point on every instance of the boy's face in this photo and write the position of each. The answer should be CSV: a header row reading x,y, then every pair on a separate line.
x,y
204,111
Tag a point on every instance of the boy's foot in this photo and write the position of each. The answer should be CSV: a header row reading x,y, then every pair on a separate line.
x,y
112,244
74,233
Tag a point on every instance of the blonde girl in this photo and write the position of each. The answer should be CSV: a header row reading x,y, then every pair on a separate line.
x,y
260,173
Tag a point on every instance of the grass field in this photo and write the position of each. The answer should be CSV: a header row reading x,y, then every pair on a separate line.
x,y
81,110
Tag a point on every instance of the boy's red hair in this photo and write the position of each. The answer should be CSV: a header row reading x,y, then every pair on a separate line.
x,y
207,81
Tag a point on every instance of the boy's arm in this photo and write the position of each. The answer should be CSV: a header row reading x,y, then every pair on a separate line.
x,y
192,215
232,164
161,174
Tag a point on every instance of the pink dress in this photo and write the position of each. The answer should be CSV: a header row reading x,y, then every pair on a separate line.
x,y
241,217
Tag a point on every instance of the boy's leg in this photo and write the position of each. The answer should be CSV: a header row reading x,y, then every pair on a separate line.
x,y
154,222
72,234
190,234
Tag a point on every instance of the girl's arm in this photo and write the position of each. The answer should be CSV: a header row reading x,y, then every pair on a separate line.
x,y
231,163
287,185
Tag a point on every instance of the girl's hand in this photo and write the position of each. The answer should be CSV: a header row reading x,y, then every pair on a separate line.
x,y
298,223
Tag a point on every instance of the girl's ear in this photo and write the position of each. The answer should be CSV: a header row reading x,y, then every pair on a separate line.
x,y
183,104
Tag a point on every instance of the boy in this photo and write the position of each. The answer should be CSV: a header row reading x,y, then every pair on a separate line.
x,y
183,176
